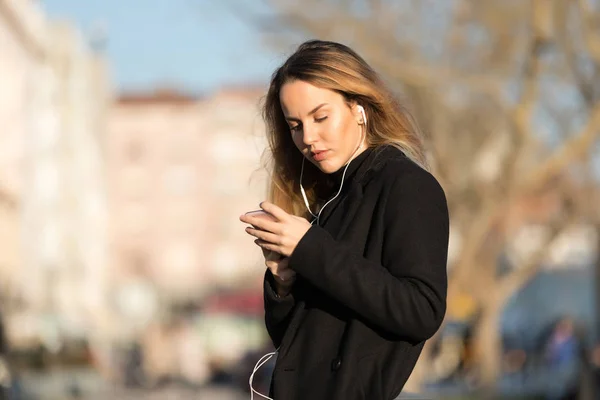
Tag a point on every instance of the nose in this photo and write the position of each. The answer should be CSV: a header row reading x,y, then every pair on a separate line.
x,y
309,134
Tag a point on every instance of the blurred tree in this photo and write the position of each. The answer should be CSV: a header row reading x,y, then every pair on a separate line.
x,y
507,94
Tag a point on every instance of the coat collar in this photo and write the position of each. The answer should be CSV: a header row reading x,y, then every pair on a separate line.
x,y
356,178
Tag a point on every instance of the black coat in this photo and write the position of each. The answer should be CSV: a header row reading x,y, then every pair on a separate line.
x,y
370,288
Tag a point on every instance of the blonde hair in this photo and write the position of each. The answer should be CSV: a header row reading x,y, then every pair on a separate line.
x,y
336,67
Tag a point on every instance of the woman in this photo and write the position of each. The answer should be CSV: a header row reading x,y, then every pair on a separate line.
x,y
351,296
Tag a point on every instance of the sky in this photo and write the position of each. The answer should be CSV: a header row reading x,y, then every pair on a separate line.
x,y
193,45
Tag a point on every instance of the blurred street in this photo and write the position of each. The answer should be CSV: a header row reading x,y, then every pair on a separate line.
x,y
87,385
213,393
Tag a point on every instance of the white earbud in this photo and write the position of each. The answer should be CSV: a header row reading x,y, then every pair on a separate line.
x,y
362,111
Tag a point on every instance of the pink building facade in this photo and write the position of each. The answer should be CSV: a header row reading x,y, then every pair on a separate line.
x,y
180,171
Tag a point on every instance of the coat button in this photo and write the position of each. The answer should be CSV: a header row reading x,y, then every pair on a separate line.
x,y
336,364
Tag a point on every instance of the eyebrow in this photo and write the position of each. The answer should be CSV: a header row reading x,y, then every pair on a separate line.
x,y
311,112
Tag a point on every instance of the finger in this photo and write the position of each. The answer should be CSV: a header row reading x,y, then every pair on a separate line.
x,y
279,264
271,256
274,210
261,223
263,235
266,252
268,245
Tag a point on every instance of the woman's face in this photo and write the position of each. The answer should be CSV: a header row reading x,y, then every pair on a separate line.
x,y
323,126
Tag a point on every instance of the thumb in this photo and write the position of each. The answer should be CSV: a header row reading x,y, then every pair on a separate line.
x,y
271,255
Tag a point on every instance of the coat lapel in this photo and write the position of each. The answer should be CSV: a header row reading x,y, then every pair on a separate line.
x,y
340,213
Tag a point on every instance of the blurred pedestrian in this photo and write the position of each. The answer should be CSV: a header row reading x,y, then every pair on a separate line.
x,y
563,361
355,233
133,368
563,346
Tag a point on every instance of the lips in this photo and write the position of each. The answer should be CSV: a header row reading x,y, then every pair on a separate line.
x,y
319,155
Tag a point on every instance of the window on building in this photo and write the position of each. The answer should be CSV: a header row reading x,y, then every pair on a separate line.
x,y
134,151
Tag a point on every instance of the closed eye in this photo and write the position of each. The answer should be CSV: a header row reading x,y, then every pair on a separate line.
x,y
299,126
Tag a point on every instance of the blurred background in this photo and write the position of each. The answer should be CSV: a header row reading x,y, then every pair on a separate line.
x,y
131,140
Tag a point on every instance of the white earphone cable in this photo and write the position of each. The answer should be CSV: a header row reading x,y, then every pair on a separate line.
x,y
316,217
257,366
304,197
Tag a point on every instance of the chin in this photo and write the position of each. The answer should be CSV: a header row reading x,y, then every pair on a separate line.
x,y
328,167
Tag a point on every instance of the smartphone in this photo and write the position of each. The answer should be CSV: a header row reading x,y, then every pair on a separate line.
x,y
261,214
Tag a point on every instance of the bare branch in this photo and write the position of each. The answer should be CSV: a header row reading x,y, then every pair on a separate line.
x,y
573,149
516,279
591,37
572,59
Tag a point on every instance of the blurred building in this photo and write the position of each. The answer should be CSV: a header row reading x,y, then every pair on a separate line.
x,y
55,93
181,170
21,41
115,210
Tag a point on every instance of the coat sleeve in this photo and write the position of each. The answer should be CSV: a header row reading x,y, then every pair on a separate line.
x,y
278,310
406,293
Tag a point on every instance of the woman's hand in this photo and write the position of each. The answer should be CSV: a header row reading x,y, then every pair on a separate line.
x,y
279,266
280,236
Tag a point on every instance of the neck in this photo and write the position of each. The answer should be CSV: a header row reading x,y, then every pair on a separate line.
x,y
358,151
328,184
